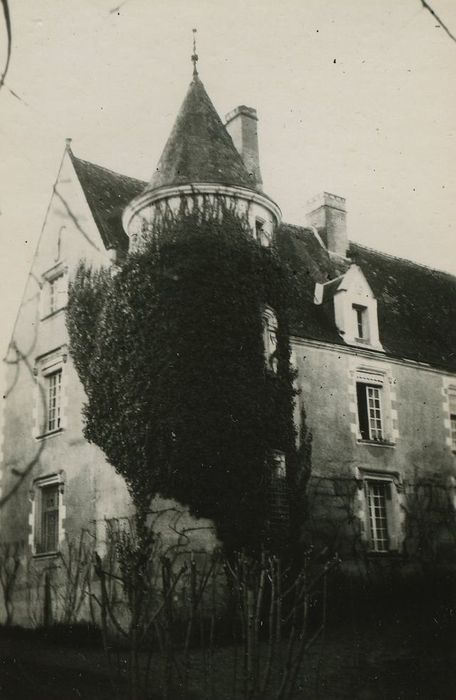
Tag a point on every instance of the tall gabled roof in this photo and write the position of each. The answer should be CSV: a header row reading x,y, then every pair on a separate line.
x,y
107,194
199,148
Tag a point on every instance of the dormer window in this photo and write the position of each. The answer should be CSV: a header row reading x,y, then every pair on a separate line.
x,y
350,302
362,322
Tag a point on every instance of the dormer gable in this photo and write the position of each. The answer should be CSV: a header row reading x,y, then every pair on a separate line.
x,y
350,301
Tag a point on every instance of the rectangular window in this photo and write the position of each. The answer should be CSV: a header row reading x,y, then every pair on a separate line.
x,y
361,321
270,329
56,293
452,401
54,394
378,495
261,232
279,509
279,469
370,411
49,518
46,534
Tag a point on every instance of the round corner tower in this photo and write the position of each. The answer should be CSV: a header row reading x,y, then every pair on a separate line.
x,y
201,159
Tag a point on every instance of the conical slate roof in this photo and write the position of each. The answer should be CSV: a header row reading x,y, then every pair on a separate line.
x,y
199,149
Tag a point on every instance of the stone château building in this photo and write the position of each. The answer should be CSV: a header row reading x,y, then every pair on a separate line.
x,y
373,342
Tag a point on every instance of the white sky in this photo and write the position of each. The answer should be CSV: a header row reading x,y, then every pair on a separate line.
x,y
356,97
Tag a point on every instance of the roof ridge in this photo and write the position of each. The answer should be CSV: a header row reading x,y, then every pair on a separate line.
x,y
382,253
107,170
305,228
404,260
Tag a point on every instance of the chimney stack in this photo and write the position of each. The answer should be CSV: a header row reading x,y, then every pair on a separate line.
x,y
242,125
328,214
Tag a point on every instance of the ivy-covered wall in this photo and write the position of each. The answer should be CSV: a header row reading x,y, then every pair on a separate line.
x,y
170,351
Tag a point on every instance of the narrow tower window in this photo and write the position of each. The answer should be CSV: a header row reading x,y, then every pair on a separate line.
x,y
452,402
261,233
270,338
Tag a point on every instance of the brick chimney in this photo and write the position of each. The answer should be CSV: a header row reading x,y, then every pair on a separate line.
x,y
328,214
242,125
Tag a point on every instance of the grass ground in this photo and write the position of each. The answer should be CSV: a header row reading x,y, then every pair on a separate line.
x,y
387,659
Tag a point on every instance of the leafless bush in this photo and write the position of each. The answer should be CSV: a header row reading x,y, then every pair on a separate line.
x,y
11,554
197,624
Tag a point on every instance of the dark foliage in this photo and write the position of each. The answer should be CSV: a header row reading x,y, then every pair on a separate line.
x,y
170,352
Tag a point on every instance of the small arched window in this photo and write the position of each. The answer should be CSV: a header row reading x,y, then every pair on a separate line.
x,y
270,328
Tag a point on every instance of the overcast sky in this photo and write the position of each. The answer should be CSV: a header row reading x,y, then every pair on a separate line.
x,y
355,97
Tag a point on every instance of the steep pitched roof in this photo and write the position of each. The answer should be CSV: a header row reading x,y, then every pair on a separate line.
x,y
416,305
199,148
107,195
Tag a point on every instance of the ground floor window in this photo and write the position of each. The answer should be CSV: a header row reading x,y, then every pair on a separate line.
x,y
47,497
382,510
278,490
378,493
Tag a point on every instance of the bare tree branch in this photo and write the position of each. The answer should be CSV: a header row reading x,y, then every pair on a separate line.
x,y
435,15
6,14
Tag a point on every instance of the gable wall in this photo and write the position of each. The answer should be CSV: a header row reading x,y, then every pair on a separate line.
x,y
92,489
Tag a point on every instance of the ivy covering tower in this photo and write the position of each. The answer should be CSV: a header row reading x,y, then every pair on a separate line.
x,y
184,353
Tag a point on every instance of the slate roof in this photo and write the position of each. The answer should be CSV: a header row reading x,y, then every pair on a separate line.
x,y
199,148
416,305
107,195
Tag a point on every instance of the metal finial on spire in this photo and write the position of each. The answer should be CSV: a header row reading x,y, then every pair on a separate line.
x,y
194,55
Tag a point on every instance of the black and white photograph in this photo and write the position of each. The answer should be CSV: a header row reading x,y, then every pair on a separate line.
x,y
228,342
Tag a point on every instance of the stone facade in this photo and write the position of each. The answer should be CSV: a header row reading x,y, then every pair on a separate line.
x,y
378,387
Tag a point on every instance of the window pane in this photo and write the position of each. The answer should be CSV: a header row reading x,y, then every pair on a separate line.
x,y
363,418
452,400
49,519
54,382
375,412
377,496
362,330
56,290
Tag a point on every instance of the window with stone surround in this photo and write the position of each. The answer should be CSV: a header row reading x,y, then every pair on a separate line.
x,y
47,515
54,294
49,407
373,404
54,399
370,411
381,511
